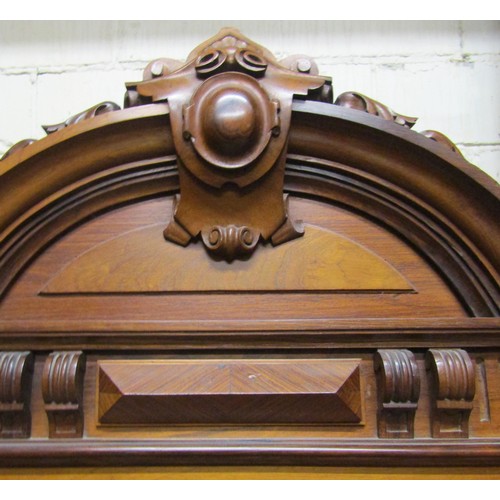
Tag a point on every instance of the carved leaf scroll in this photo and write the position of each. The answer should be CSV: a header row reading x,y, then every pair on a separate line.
x,y
98,109
358,101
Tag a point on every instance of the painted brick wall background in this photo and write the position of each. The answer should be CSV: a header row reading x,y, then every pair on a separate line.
x,y
445,72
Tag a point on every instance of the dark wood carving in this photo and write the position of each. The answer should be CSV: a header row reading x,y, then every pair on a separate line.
x,y
98,109
398,386
332,235
229,392
17,147
62,388
453,390
230,111
441,139
16,371
355,100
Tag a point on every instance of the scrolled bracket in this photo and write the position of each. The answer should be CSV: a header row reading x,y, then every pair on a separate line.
x,y
452,391
62,389
16,373
398,388
230,242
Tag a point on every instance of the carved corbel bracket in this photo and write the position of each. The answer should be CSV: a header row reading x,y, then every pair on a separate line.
x,y
62,389
230,111
16,370
453,390
398,388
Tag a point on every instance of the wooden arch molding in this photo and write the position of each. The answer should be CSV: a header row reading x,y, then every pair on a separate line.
x,y
335,154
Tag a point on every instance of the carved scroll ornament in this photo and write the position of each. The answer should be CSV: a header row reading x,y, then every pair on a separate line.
x,y
230,110
16,371
62,389
398,385
453,391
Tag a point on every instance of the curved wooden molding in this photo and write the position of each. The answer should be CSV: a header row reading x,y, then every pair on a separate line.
x,y
274,391
453,390
398,386
431,210
400,186
62,389
16,370
140,262
267,452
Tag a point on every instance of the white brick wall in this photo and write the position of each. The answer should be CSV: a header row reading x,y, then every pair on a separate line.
x,y
445,72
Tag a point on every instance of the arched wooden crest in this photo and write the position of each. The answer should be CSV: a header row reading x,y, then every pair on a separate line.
x,y
269,269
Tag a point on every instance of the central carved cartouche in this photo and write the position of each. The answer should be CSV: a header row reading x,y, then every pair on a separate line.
x,y
230,111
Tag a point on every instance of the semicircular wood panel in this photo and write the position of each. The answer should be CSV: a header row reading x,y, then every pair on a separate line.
x,y
118,268
141,262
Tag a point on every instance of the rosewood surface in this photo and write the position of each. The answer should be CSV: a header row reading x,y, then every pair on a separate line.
x,y
237,269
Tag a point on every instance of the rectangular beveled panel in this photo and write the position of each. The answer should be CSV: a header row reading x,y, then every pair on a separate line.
x,y
235,391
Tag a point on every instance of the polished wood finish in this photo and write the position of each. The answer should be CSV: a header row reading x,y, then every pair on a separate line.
x,y
300,233
62,389
398,386
229,392
355,100
230,108
16,371
248,472
453,381
98,109
320,261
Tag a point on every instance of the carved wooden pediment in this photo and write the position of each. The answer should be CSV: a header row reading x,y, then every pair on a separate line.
x,y
239,268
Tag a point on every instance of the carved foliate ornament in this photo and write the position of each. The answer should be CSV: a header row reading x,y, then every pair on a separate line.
x,y
230,111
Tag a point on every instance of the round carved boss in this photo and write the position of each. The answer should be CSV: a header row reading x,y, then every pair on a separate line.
x,y
230,120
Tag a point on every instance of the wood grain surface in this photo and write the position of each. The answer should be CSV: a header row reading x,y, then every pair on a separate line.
x,y
277,391
400,253
140,261
252,473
